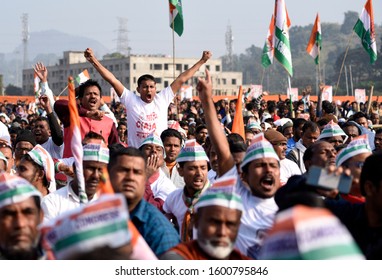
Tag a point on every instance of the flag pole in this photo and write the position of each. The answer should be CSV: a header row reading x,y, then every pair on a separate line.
x,y
369,100
343,62
62,91
262,77
173,65
290,98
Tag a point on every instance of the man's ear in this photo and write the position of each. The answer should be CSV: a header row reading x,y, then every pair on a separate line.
x,y
244,176
369,188
180,171
41,174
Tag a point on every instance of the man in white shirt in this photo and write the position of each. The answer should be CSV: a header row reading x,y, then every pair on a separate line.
x,y
193,166
148,112
172,142
95,159
260,171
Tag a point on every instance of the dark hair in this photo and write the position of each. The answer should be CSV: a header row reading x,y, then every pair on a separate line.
x,y
321,122
146,77
37,167
378,131
118,149
27,136
236,143
309,152
85,85
371,171
92,135
328,107
183,123
309,125
41,119
199,128
359,115
122,122
297,122
170,132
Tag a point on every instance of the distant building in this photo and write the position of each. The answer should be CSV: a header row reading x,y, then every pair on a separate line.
x,y
129,69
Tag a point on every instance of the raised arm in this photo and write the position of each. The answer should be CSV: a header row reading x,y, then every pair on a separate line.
x,y
42,72
215,132
186,75
106,74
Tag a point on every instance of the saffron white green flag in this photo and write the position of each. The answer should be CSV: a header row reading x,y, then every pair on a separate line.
x,y
314,45
176,16
281,41
365,30
82,77
268,52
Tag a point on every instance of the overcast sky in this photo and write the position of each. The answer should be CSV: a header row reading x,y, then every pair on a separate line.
x,y
205,21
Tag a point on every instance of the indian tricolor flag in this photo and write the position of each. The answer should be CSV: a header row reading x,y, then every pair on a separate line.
x,y
268,51
82,77
309,233
281,41
176,16
365,30
76,140
314,45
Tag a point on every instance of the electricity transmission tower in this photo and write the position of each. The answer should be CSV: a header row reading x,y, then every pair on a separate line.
x,y
229,47
122,39
25,38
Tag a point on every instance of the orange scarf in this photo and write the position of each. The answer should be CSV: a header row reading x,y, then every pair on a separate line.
x,y
187,224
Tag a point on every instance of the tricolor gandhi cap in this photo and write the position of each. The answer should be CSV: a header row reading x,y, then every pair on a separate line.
x,y
153,138
98,224
96,152
221,193
41,156
308,233
260,147
192,151
358,145
4,135
253,125
332,129
2,157
14,189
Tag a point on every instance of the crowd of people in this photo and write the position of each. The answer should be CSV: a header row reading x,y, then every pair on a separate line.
x,y
172,179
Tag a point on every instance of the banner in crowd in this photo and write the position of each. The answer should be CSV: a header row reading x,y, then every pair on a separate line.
x,y
327,93
293,94
186,92
360,95
256,91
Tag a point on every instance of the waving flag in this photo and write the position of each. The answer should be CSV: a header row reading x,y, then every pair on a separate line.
x,y
281,36
314,45
82,77
365,30
176,16
268,50
238,122
76,141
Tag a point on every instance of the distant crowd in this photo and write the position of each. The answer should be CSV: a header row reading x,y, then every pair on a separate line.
x,y
165,178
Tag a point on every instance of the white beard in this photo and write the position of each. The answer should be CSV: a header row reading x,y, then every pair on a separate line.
x,y
218,252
